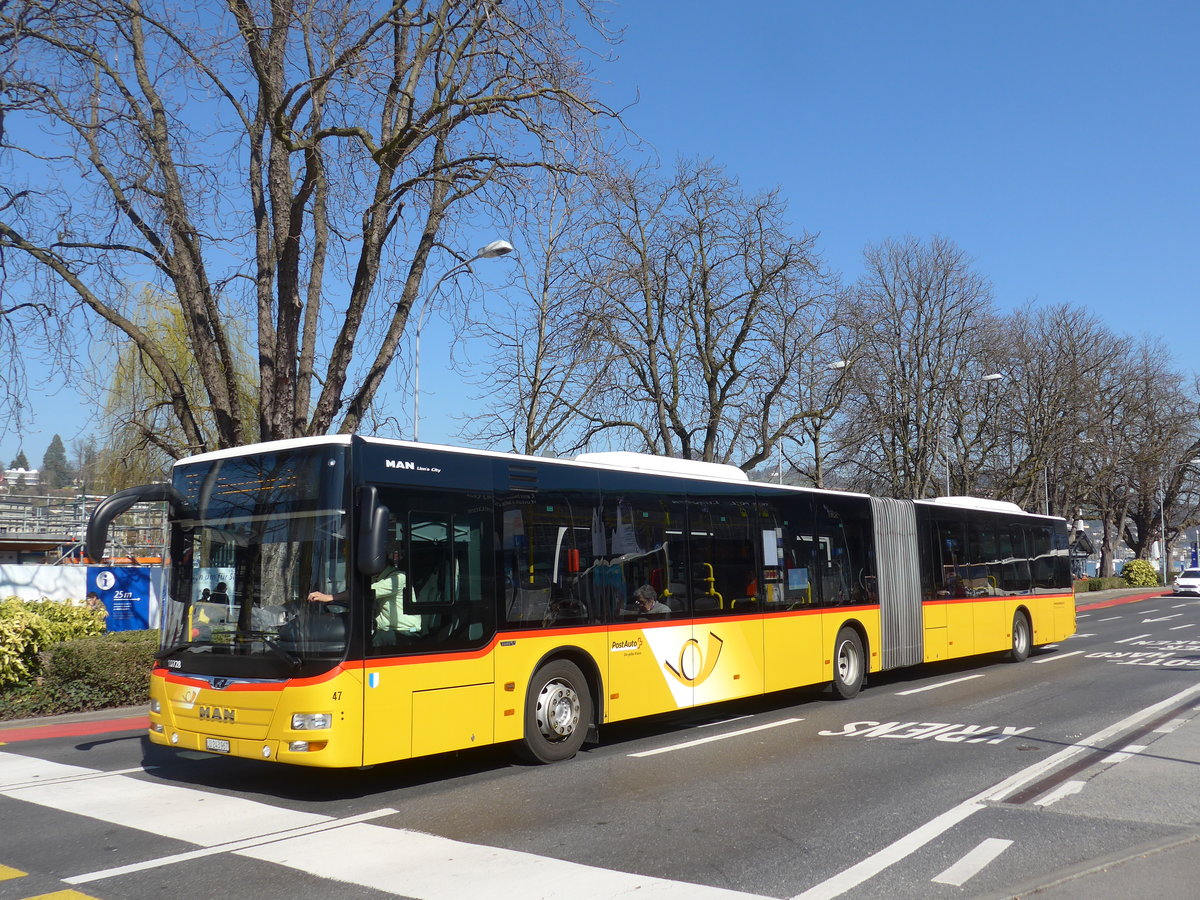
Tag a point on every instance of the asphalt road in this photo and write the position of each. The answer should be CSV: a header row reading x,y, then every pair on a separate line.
x,y
975,778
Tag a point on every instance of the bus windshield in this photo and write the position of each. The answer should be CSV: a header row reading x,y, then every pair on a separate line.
x,y
256,534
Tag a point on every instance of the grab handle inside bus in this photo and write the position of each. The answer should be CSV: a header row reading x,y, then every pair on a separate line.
x,y
111,507
372,532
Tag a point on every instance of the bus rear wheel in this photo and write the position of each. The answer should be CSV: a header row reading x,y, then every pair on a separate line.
x,y
558,710
1022,639
849,664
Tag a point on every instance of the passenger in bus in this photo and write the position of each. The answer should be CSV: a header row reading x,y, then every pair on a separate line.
x,y
646,603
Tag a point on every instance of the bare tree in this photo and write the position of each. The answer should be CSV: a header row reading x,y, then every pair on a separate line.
x,y
298,166
1160,461
689,278
919,318
1061,365
545,347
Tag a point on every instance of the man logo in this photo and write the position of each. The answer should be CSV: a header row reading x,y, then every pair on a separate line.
x,y
400,464
217,714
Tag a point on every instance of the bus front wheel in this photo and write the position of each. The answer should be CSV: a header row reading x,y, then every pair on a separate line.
x,y
558,710
849,664
1022,640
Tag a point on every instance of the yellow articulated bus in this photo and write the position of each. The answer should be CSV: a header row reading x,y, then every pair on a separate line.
x,y
347,601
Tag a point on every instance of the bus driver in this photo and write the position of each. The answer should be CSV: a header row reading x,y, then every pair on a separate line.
x,y
390,618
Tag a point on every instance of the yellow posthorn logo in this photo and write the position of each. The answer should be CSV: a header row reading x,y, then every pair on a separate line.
x,y
695,665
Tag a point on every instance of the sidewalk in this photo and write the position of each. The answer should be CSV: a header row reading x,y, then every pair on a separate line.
x,y
1159,786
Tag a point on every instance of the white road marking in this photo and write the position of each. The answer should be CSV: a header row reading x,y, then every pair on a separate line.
x,y
175,812
877,862
1163,618
435,868
1168,727
1136,637
1046,659
1128,753
407,863
940,684
972,864
1181,627
231,847
1063,790
1110,619
1078,634
715,737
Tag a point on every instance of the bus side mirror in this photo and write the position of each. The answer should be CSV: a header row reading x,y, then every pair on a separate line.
x,y
112,506
372,532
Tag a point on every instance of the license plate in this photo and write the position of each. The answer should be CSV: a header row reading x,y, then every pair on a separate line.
x,y
220,746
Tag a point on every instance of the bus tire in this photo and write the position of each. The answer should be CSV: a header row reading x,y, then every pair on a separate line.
x,y
558,711
849,664
1022,637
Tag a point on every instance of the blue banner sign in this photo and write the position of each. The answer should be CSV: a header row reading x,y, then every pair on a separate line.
x,y
125,593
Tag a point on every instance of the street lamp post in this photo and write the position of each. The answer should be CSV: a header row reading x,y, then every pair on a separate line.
x,y
989,380
493,250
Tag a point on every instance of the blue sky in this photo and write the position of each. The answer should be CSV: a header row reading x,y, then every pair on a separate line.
x,y
1058,143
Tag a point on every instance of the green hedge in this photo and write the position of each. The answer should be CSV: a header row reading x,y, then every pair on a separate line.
x,y
94,672
1099,584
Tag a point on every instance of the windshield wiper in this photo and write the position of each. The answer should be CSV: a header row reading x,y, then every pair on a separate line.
x,y
271,644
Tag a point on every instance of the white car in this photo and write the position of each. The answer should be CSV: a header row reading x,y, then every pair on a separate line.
x,y
1188,582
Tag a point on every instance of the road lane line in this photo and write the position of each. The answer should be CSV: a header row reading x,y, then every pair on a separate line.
x,y
973,863
1066,789
940,684
1136,637
1181,627
1046,659
715,737
1110,619
905,846
231,847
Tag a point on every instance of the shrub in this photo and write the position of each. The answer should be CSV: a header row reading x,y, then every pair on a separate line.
x,y
23,635
1139,573
68,621
27,627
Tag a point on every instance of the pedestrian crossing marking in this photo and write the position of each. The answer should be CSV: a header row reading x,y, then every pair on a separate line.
x,y
352,850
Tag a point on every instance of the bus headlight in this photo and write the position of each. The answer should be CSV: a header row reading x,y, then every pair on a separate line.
x,y
311,721
155,705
